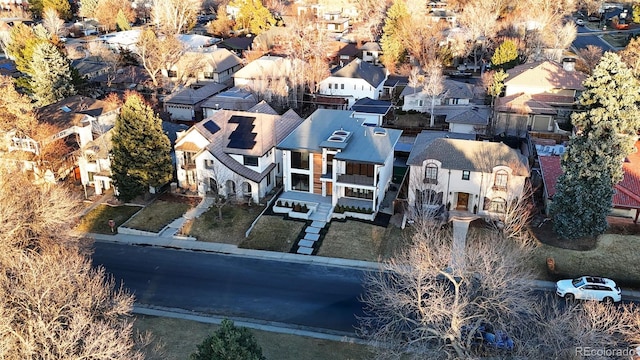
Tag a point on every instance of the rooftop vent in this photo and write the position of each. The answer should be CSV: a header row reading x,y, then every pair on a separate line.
x,y
379,131
339,136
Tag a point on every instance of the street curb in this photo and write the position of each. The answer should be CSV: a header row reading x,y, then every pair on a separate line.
x,y
227,249
177,243
255,324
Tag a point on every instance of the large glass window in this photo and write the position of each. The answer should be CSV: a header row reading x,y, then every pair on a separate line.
x,y
500,181
429,197
300,160
360,169
187,158
498,205
251,160
300,182
431,174
329,164
358,193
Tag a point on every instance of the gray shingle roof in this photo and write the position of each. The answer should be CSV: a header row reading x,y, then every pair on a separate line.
x,y
189,96
362,144
358,69
480,156
472,115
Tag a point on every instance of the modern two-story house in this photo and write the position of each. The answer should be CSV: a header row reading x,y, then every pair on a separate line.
x,y
233,153
475,177
339,158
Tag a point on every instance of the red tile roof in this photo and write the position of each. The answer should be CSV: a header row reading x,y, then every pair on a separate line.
x,y
627,193
551,171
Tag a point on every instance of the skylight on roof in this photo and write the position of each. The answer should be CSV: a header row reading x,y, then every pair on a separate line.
x,y
65,108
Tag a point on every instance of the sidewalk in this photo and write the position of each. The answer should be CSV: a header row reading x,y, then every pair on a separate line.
x,y
182,243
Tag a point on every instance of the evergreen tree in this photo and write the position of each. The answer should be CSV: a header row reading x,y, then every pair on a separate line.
x,y
140,154
122,24
592,165
506,55
391,42
51,79
229,343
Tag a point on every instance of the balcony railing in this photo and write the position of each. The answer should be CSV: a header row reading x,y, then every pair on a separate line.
x,y
356,179
189,166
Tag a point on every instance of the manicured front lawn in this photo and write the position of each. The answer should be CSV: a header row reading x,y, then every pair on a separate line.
x,y
361,241
273,233
97,220
158,215
236,220
180,338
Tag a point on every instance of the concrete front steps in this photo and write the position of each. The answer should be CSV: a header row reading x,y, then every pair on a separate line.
x,y
320,218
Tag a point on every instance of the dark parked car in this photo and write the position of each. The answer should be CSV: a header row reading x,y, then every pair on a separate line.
x,y
487,338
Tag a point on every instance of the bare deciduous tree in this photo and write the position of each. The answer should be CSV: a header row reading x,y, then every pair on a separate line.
x,y
590,57
53,304
433,87
418,305
158,53
307,45
52,22
175,16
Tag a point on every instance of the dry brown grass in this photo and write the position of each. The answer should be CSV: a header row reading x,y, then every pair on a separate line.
x,y
97,220
236,220
273,233
157,215
614,256
180,338
361,241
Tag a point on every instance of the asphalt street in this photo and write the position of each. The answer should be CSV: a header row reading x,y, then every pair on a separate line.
x,y
308,295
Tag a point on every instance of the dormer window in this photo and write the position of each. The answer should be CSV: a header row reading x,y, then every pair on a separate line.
x,y
500,180
431,174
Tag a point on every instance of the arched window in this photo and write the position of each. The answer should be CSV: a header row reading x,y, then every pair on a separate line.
x,y
500,180
431,174
498,205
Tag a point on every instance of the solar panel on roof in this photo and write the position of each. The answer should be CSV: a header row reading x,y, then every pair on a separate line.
x,y
211,126
243,136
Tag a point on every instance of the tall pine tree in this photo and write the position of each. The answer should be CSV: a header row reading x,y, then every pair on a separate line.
x,y
592,165
51,79
140,154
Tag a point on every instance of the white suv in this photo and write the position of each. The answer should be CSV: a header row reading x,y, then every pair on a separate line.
x,y
589,288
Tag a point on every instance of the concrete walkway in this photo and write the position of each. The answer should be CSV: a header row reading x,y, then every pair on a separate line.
x,y
174,227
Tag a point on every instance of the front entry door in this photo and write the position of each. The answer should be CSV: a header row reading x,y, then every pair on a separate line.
x,y
463,201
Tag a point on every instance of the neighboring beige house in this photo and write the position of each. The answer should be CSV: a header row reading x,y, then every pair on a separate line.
x,y
83,124
233,153
268,76
185,104
464,175
453,93
538,96
207,64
